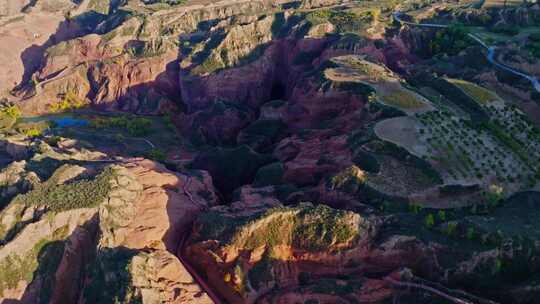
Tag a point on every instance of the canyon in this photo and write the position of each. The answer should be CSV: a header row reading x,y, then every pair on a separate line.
x,y
267,151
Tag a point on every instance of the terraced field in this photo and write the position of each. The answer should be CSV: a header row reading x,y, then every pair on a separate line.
x,y
469,152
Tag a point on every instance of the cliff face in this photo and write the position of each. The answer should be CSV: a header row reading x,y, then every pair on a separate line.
x,y
258,251
273,104
69,235
139,64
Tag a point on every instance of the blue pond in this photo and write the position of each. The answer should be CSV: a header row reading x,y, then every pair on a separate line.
x,y
59,121
62,122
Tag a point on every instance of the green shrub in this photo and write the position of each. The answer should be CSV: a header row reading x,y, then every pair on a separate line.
x,y
33,129
12,111
135,126
505,30
451,40
42,259
157,155
342,20
78,194
471,233
305,226
429,220
442,215
70,100
450,229
110,277
268,175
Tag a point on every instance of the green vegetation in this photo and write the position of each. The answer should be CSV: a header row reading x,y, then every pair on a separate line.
x,y
33,129
110,277
135,126
9,116
12,111
208,66
509,30
70,101
403,99
429,221
77,194
100,6
305,227
157,155
43,259
342,20
533,44
451,41
152,48
478,93
484,150
321,227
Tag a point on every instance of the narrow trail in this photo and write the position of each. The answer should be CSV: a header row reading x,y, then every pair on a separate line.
x,y
491,55
200,281
441,292
179,250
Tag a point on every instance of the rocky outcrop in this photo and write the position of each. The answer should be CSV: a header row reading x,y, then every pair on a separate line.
x,y
8,8
249,249
129,63
66,236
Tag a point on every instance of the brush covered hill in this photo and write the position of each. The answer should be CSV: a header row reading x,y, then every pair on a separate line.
x,y
314,151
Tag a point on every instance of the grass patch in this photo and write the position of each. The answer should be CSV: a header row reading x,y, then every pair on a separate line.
x,y
6,122
100,6
342,20
307,227
135,126
402,99
79,194
9,116
43,259
33,129
110,277
70,101
478,93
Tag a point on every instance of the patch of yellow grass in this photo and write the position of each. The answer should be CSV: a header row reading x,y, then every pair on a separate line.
x,y
478,93
402,99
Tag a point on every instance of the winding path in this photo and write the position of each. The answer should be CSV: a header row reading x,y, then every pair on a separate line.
x,y
181,245
491,49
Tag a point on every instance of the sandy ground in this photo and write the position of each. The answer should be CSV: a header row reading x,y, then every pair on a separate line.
x,y
22,36
402,132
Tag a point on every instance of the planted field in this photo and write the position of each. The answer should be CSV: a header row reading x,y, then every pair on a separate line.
x,y
472,152
403,100
481,95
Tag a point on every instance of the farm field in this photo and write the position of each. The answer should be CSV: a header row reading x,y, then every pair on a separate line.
x,y
466,152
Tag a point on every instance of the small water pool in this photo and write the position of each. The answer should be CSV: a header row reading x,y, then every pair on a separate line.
x,y
63,122
59,121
